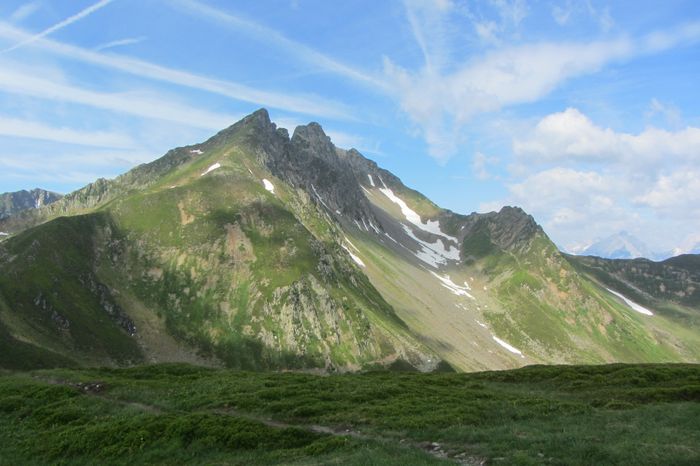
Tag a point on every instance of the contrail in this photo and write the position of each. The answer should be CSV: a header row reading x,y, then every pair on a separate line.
x,y
66,22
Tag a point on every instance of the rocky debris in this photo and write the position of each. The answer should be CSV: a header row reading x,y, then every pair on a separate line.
x,y
91,387
42,303
107,303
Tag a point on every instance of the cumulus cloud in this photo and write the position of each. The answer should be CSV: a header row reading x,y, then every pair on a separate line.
x,y
674,194
449,90
572,136
583,181
440,104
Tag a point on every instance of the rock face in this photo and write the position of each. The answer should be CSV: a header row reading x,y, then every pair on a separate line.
x,y
12,203
308,161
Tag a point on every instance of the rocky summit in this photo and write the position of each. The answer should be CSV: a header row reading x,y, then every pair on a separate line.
x,y
258,250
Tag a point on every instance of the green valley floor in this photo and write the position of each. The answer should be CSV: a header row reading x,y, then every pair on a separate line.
x,y
180,414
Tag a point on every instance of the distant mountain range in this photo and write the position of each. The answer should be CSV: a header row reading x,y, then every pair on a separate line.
x,y
258,250
11,203
624,245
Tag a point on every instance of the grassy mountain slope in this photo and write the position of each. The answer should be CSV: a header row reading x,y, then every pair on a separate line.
x,y
202,259
257,250
523,292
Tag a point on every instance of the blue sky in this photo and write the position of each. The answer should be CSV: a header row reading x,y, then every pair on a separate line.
x,y
585,113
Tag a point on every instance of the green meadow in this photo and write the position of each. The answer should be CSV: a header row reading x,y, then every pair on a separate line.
x,y
181,414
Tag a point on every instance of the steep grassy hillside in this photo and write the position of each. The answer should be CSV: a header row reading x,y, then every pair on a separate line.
x,y
177,414
208,258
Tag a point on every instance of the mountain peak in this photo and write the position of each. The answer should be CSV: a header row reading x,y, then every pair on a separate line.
x,y
312,135
621,245
260,116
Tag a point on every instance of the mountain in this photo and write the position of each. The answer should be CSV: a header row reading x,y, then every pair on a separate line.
x,y
621,245
673,281
691,245
11,203
256,250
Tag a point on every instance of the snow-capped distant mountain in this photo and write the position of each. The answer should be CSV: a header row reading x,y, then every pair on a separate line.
x,y
621,245
691,245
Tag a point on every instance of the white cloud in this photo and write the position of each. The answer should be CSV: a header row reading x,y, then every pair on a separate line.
x,y
601,16
66,22
307,104
137,103
674,194
669,112
647,183
442,96
480,165
273,36
428,22
14,127
511,11
55,161
25,11
573,205
570,135
562,13
119,43
486,30
440,104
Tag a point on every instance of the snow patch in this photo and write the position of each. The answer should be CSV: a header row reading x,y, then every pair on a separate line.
x,y
364,224
357,260
452,286
367,191
371,181
481,324
350,243
432,226
2,233
196,151
433,254
632,304
374,227
337,212
212,168
268,185
319,197
389,236
510,348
